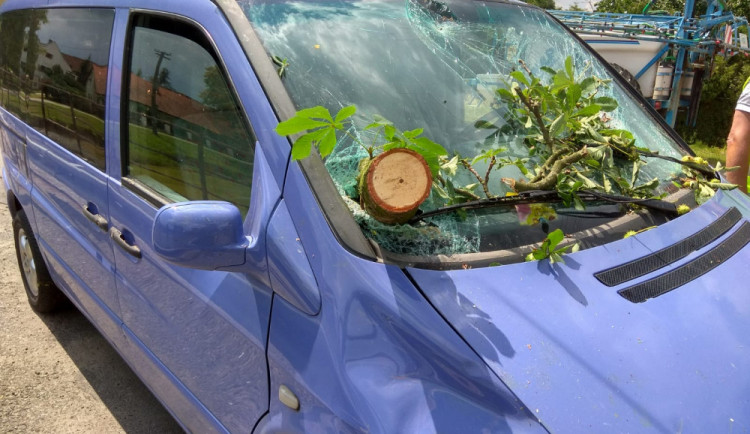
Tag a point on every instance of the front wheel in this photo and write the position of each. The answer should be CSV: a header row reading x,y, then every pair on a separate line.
x,y
43,295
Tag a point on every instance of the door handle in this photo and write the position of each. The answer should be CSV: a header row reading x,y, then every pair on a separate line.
x,y
120,241
95,217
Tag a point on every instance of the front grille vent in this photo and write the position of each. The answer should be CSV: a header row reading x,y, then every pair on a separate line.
x,y
691,270
668,255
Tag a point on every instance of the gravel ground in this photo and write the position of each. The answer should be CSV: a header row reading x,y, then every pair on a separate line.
x,y
57,373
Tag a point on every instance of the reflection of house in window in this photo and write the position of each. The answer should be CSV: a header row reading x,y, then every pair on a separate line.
x,y
68,74
51,56
182,116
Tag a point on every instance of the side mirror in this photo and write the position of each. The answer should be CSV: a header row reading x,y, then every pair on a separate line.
x,y
206,235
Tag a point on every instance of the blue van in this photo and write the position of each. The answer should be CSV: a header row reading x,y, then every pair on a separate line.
x,y
152,184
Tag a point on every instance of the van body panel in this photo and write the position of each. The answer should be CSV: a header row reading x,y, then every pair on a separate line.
x,y
568,345
207,329
223,316
96,311
365,341
63,227
176,398
16,175
376,356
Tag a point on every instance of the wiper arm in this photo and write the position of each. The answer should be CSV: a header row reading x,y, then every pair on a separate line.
x,y
549,196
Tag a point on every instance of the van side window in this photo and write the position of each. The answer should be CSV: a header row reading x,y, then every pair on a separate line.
x,y
187,137
53,74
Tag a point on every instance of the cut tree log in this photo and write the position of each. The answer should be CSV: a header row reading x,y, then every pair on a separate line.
x,y
394,184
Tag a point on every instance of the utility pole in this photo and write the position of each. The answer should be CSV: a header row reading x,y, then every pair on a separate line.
x,y
155,87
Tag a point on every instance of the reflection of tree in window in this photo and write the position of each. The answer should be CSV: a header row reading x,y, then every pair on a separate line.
x,y
216,94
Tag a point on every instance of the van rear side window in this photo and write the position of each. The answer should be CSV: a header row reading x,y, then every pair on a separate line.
x,y
53,74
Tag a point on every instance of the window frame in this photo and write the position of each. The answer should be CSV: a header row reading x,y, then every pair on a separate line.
x,y
153,197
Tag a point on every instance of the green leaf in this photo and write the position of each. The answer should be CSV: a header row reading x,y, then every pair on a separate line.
x,y
573,96
569,67
589,110
392,145
548,70
433,163
557,126
378,121
327,142
521,167
302,147
578,203
505,94
296,125
560,81
390,131
427,147
607,103
588,86
451,166
413,133
520,77
723,185
319,112
618,133
555,237
345,113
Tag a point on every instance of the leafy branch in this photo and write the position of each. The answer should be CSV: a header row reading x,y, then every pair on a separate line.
x,y
549,250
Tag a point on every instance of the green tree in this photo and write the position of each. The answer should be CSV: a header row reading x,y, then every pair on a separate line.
x,y
739,7
718,100
544,4
637,6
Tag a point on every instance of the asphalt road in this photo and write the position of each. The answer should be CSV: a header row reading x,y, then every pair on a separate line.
x,y
57,373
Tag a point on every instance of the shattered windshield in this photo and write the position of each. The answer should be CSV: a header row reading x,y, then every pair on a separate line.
x,y
447,71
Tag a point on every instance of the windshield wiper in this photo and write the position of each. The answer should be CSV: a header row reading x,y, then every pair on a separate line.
x,y
549,196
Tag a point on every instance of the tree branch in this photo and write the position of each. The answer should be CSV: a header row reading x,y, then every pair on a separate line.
x,y
549,181
534,109
478,176
548,164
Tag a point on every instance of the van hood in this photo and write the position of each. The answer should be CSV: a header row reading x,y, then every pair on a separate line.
x,y
583,357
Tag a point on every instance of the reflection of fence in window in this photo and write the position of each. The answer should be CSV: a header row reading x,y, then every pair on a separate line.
x,y
190,161
74,121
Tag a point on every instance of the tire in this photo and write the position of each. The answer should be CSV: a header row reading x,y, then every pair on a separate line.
x,y
43,295
630,78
